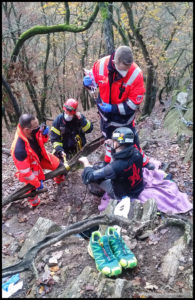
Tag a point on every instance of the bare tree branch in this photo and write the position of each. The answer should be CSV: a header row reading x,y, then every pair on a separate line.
x,y
49,29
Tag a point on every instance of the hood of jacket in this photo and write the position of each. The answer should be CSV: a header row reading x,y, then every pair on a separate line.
x,y
125,153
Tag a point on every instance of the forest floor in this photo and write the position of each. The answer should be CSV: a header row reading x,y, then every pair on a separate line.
x,y
74,203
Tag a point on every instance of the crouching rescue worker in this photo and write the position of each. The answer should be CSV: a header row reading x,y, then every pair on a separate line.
x,y
68,131
123,175
29,154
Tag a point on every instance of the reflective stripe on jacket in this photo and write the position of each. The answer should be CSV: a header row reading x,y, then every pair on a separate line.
x,y
69,136
29,169
125,103
133,84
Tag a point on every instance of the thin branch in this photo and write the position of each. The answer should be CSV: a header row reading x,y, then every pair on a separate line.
x,y
50,29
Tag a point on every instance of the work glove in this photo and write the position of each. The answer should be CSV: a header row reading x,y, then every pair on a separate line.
x,y
44,129
41,186
87,81
105,107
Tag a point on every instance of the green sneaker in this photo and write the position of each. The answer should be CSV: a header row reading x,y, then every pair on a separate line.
x,y
123,254
100,250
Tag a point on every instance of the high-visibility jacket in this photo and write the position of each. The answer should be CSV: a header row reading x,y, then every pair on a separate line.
x,y
29,168
69,137
124,93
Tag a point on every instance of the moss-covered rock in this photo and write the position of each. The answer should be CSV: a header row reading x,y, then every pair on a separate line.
x,y
173,119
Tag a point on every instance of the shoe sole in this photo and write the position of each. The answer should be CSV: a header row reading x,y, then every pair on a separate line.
x,y
106,270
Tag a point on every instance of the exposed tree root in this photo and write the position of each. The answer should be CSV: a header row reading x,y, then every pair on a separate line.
x,y
174,220
28,260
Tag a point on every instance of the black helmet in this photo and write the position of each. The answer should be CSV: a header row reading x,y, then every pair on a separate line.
x,y
123,135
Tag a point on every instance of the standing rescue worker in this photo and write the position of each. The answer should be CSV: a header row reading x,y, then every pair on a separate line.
x,y
121,91
29,154
123,175
68,131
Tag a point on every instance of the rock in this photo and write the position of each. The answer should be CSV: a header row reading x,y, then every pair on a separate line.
x,y
12,244
184,295
130,244
109,210
45,258
57,254
103,287
189,153
136,210
52,262
145,235
64,273
56,278
156,124
182,98
149,210
170,261
41,228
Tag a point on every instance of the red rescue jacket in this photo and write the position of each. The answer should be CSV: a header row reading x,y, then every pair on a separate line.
x,y
133,83
29,170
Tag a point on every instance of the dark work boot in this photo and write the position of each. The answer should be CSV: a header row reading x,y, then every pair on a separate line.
x,y
150,166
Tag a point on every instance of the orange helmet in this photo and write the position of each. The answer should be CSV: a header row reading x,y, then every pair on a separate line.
x,y
70,106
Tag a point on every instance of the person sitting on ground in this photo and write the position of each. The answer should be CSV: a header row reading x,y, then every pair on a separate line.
x,y
123,176
30,156
68,131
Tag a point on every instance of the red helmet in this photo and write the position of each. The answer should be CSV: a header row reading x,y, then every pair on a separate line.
x,y
70,106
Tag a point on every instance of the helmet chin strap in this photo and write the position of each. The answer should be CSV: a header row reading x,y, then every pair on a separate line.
x,y
113,150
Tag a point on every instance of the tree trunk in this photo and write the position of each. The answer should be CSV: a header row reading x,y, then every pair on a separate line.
x,y
151,92
12,98
108,30
151,84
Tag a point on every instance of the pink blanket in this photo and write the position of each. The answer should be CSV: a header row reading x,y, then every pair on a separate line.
x,y
166,193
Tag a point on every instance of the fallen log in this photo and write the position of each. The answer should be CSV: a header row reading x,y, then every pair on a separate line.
x,y
87,149
34,193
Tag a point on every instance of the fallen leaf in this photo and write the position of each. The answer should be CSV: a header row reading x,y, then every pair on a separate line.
x,y
136,281
40,266
180,284
41,289
28,292
163,230
54,268
150,286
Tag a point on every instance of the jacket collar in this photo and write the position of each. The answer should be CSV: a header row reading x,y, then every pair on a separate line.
x,y
125,153
21,134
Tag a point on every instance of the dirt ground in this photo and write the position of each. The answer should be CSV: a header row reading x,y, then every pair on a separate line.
x,y
74,203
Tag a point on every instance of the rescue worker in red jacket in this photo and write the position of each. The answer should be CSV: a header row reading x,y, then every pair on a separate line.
x,y
121,91
123,175
29,154
68,130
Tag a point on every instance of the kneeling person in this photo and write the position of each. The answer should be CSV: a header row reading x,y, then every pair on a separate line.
x,y
30,156
68,130
123,175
